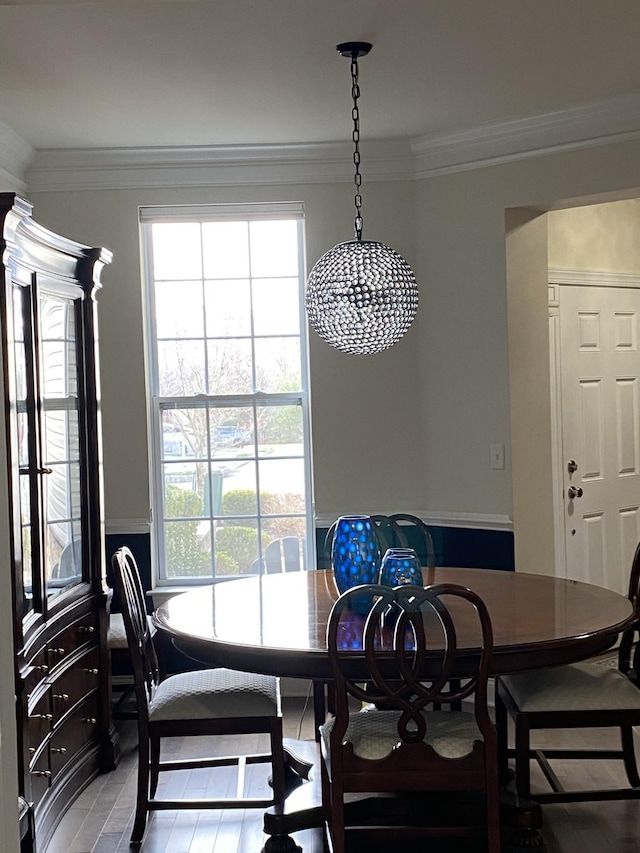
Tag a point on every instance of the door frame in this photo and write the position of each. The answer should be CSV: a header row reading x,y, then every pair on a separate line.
x,y
577,278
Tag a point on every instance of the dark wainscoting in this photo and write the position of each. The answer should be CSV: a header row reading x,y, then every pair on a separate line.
x,y
455,546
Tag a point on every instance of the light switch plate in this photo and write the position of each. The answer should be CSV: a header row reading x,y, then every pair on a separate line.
x,y
497,456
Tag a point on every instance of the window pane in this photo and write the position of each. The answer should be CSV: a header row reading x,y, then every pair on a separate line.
x,y
228,306
276,307
281,425
184,433
179,309
181,368
278,364
236,548
182,498
187,551
225,249
240,488
230,367
176,250
274,248
282,486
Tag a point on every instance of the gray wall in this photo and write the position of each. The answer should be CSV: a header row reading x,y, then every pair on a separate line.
x,y
410,428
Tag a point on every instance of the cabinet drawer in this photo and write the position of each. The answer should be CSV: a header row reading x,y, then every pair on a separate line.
x,y
79,729
40,721
70,638
75,682
40,775
37,673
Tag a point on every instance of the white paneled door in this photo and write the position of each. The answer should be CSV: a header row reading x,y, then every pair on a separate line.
x,y
600,388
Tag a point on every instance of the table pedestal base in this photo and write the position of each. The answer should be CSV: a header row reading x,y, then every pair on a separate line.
x,y
521,819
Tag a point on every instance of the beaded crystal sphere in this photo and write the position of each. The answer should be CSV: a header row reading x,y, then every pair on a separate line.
x,y
361,297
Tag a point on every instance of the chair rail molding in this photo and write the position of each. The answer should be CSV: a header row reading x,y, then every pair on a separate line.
x,y
127,526
469,520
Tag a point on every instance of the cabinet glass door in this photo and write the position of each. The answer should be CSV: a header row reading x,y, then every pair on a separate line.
x,y
60,443
25,445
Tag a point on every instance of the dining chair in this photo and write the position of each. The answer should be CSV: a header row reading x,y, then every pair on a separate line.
x,y
204,702
576,696
411,531
397,744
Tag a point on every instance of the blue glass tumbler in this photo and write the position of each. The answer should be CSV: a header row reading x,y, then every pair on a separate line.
x,y
355,553
400,566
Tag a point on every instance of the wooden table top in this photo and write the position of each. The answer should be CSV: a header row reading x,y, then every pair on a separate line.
x,y
276,624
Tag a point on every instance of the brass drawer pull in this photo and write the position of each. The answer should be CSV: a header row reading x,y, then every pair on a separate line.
x,y
86,629
42,667
63,697
32,750
91,720
41,717
45,773
91,670
56,651
60,750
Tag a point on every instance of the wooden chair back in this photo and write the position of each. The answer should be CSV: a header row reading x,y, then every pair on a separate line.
x,y
629,649
402,524
144,661
409,638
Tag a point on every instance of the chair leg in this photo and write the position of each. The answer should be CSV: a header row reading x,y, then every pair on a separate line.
x,y
154,765
523,784
336,821
277,763
142,800
629,756
493,811
502,728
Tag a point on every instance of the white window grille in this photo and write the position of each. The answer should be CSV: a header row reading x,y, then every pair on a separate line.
x,y
229,398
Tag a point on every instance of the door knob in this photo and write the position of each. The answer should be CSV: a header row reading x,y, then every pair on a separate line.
x,y
574,492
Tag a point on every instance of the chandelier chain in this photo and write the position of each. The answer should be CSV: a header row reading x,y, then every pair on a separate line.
x,y
355,115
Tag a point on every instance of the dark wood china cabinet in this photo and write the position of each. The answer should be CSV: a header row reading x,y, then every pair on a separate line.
x,y
51,397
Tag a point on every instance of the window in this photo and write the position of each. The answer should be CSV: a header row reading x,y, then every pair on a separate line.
x,y
231,459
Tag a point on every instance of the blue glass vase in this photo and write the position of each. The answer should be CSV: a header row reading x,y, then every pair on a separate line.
x,y
400,566
355,553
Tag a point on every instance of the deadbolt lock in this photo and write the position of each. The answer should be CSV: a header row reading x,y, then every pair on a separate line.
x,y
572,466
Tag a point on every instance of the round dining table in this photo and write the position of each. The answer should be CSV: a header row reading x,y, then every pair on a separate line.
x,y
276,624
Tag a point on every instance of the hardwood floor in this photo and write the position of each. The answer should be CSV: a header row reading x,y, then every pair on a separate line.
x,y
100,820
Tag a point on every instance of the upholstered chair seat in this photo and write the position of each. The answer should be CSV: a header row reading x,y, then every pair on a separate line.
x,y
214,693
575,688
374,734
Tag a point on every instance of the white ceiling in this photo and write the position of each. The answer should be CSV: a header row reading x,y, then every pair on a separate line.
x,y
103,73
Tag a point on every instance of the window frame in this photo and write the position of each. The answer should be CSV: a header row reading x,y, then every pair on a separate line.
x,y
156,404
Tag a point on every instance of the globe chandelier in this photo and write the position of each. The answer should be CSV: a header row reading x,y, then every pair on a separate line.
x,y
361,295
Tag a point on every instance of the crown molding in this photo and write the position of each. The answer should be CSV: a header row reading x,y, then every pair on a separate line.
x,y
217,165
596,123
15,154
